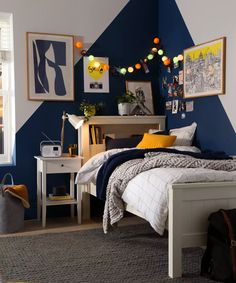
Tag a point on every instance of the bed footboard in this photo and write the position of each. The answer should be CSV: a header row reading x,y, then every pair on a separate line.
x,y
189,207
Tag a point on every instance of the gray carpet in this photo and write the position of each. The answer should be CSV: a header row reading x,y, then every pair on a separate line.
x,y
128,254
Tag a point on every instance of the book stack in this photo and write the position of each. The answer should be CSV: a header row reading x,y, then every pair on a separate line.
x,y
64,197
95,133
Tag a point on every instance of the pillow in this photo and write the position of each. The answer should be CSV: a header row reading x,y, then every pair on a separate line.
x,y
155,141
88,171
184,135
158,132
122,142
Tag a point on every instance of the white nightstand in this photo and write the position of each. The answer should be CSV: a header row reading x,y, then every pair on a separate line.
x,y
57,165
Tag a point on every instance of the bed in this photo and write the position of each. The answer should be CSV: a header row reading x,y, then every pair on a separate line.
x,y
197,192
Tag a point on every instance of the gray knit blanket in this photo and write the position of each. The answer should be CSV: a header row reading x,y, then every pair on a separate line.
x,y
114,206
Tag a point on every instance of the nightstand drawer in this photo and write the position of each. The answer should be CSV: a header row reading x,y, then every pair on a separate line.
x,y
63,166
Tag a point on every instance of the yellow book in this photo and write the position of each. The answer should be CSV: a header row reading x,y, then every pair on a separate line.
x,y
66,197
93,134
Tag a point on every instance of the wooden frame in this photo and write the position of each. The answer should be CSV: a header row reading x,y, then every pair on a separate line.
x,y
204,69
143,92
50,66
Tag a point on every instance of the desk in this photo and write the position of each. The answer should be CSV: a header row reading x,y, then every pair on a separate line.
x,y
57,165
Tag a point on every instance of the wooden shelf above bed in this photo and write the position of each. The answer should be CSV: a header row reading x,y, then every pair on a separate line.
x,y
119,126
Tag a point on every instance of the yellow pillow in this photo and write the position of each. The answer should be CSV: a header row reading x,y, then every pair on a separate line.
x,y
155,141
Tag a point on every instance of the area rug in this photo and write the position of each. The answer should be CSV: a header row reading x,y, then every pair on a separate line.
x,y
127,254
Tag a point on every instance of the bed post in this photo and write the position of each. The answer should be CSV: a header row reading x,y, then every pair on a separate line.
x,y
175,233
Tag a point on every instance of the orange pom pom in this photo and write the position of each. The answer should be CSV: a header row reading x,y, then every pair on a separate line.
x,y
167,62
138,66
156,40
78,44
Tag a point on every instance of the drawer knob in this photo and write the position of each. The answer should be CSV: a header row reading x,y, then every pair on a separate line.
x,y
62,165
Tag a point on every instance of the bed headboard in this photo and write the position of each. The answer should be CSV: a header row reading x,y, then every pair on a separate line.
x,y
115,126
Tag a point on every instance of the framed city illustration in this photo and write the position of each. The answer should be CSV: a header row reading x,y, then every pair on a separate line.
x,y
204,69
142,90
50,66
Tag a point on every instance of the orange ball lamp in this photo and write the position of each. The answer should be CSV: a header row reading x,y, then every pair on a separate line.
x,y
156,40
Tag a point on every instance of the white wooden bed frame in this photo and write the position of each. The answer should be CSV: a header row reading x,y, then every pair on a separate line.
x,y
189,207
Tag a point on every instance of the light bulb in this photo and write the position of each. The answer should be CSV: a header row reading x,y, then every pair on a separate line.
x,y
123,71
150,56
156,40
175,60
180,57
91,57
78,44
130,69
160,52
138,66
164,58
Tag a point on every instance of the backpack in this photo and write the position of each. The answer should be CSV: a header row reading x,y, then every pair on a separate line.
x,y
219,260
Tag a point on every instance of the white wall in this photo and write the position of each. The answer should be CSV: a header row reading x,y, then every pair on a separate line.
x,y
210,19
86,18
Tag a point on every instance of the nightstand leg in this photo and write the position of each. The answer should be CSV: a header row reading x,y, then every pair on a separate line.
x,y
72,194
79,203
44,197
39,194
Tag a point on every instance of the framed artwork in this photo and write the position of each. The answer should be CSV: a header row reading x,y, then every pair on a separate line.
x,y
204,69
96,76
143,93
50,66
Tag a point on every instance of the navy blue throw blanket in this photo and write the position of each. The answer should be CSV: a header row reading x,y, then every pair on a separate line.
x,y
117,159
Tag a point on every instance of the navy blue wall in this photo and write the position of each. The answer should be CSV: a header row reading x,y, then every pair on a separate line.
x,y
214,130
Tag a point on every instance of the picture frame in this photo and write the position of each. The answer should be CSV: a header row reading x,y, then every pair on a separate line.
x,y
96,77
50,66
204,69
143,93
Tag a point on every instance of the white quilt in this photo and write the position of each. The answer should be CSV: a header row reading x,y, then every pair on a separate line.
x,y
148,191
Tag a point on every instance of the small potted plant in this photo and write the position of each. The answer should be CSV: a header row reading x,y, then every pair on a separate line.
x,y
124,102
89,109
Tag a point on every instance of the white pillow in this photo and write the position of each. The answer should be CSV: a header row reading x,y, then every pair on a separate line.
x,y
186,148
88,172
184,135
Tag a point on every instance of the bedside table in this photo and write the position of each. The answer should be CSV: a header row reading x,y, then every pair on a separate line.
x,y
57,165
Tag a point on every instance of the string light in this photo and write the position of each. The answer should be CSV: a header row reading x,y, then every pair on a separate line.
x,y
164,58
91,58
156,40
154,51
130,69
150,56
78,44
123,71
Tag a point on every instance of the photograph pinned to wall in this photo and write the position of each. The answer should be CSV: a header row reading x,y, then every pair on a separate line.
x,y
142,91
50,66
96,75
168,105
204,69
181,77
175,106
189,105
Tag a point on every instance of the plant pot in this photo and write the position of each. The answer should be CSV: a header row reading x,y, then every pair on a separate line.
x,y
124,109
90,111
